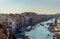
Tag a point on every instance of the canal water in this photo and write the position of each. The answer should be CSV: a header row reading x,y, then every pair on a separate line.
x,y
41,31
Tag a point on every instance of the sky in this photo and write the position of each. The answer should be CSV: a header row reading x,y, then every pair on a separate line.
x,y
37,6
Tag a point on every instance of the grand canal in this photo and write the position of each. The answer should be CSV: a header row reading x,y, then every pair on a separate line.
x,y
41,31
